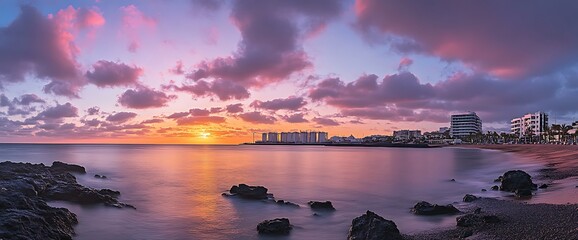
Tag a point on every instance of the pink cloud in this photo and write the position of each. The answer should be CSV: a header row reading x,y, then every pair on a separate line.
x,y
235,108
59,111
404,63
290,103
257,118
143,97
133,23
111,74
295,118
326,121
178,68
223,89
517,41
199,112
81,18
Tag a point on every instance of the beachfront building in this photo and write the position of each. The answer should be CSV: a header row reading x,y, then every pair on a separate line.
x,y
404,135
273,137
465,124
322,137
312,137
264,137
303,137
531,124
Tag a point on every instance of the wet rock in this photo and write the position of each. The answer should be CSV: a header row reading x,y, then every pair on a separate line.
x,y
321,205
467,233
499,179
287,203
495,188
483,190
470,220
523,193
452,180
100,176
426,208
543,186
478,210
469,198
249,192
24,190
491,219
516,179
65,167
371,226
275,226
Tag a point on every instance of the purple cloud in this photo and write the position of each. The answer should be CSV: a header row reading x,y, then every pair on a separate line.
x,y
121,117
28,99
257,118
111,74
295,118
235,108
326,121
143,97
59,111
200,120
199,112
223,89
291,103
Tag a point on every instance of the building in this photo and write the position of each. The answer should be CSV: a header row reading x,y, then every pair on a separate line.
x,y
264,137
322,137
312,137
406,134
465,124
273,137
284,137
303,137
443,129
529,124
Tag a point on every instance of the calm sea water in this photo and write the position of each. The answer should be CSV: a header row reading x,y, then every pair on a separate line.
x,y
177,188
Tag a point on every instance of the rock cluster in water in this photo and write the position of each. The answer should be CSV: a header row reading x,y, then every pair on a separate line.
x,y
274,226
371,226
426,208
250,192
24,190
327,205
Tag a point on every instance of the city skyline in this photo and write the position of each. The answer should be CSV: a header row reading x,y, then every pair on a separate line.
x,y
215,71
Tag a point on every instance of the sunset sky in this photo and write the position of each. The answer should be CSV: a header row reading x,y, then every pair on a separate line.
x,y
212,71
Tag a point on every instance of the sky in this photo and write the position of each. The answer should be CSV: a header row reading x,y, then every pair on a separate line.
x,y
217,71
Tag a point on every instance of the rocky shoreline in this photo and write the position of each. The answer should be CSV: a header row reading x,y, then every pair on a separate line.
x,y
25,189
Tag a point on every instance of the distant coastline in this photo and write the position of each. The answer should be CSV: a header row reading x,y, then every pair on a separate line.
x,y
395,145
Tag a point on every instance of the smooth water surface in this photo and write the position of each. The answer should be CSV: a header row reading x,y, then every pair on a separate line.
x,y
177,188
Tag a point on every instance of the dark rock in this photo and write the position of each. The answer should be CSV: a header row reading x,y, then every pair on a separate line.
x,y
495,188
452,180
96,176
499,179
478,210
275,226
371,226
467,233
249,192
469,220
523,193
469,198
425,208
100,176
65,167
491,219
483,190
287,203
543,186
24,190
517,179
321,205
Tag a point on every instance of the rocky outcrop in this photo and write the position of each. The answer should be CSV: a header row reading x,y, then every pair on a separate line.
x,y
274,226
515,180
249,192
425,208
327,205
286,203
472,219
24,190
469,198
371,226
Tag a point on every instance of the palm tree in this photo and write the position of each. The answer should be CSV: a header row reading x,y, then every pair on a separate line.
x,y
549,133
564,130
556,129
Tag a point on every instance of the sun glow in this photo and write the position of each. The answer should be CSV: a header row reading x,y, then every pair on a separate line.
x,y
204,135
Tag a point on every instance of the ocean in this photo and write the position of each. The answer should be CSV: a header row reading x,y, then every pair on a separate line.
x,y
177,188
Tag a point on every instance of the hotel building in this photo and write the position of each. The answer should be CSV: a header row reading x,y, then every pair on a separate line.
x,y
465,124
534,123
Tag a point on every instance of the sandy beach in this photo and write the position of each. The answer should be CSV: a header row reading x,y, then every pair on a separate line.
x,y
520,219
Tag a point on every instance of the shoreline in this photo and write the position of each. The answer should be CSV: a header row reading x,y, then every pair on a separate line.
x,y
520,219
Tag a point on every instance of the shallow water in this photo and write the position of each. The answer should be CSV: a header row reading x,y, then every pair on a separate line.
x,y
177,188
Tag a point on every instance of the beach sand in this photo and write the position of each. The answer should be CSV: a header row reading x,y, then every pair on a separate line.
x,y
520,219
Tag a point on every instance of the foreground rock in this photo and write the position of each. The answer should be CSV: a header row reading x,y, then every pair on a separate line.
x,y
327,205
371,226
469,198
472,219
425,208
24,190
249,192
515,180
275,226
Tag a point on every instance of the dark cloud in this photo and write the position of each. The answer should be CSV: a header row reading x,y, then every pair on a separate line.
x,y
291,103
257,118
200,120
111,74
93,111
514,41
154,120
235,108
28,99
210,5
4,101
199,112
121,117
295,118
326,121
143,97
178,115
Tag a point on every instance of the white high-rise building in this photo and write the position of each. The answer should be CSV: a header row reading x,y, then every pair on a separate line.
x,y
303,137
284,137
465,124
531,123
264,137
322,137
312,137
273,137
